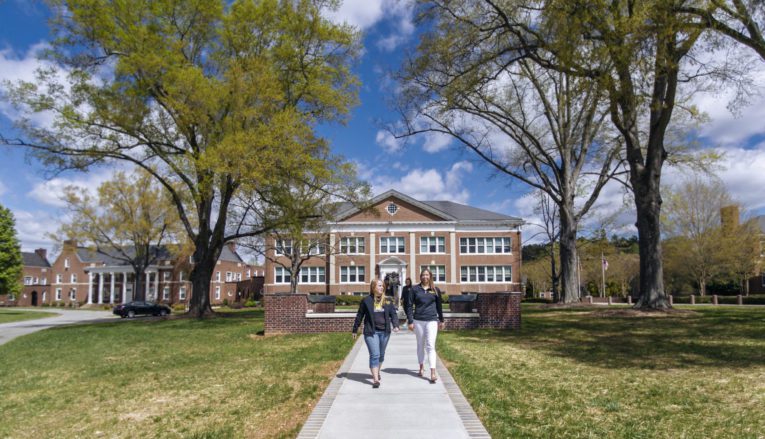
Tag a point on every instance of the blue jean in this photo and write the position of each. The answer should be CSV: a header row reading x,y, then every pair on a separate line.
x,y
376,344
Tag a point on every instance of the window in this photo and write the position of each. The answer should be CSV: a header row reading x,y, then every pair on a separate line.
x,y
282,275
166,276
166,293
73,278
217,292
58,293
439,272
316,247
486,273
44,281
432,244
312,275
73,294
238,277
352,246
352,274
182,293
180,276
485,245
248,273
229,276
27,280
217,276
284,247
59,278
66,263
392,208
36,281
392,244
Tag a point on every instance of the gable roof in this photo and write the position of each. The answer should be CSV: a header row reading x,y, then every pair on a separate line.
x,y
32,259
448,210
112,257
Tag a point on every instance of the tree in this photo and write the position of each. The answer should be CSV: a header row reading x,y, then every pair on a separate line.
x,y
692,214
11,263
550,214
542,127
130,218
739,20
740,247
215,99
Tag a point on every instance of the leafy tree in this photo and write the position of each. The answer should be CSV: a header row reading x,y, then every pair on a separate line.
x,y
11,263
215,99
539,126
129,219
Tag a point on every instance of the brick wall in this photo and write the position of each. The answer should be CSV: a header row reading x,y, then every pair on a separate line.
x,y
288,313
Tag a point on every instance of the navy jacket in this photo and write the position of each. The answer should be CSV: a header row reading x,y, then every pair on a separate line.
x,y
427,306
366,314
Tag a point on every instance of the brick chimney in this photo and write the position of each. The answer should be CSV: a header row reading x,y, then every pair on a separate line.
x,y
70,243
43,253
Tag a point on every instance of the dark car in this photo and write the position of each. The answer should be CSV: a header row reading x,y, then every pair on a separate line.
x,y
132,309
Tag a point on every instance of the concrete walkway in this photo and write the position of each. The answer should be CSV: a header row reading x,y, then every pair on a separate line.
x,y
9,331
405,405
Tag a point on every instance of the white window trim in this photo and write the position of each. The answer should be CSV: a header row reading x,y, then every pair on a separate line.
x,y
217,292
285,273
182,293
427,239
475,280
166,293
318,270
493,246
356,240
435,272
348,274
396,239
281,244
58,294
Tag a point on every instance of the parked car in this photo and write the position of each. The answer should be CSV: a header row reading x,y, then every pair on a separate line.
x,y
132,309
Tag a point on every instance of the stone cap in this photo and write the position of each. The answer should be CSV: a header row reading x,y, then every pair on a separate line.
x,y
321,299
285,294
454,298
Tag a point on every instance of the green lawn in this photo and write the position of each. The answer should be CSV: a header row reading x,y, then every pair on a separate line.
x,y
8,315
215,378
580,373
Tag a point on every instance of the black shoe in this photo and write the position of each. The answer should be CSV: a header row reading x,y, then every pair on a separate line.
x,y
375,385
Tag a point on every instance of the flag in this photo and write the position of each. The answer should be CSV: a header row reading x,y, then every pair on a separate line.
x,y
605,264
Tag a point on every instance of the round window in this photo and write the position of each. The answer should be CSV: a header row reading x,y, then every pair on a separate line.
x,y
392,208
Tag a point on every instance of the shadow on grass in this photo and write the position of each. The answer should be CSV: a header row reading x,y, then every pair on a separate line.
x,y
712,338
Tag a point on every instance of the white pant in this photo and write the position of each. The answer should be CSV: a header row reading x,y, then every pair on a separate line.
x,y
426,341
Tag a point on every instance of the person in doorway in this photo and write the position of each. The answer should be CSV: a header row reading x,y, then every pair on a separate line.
x,y
380,319
406,292
425,320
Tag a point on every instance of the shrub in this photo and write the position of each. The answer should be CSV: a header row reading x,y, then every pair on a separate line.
x,y
179,307
225,302
348,300
444,298
251,304
61,304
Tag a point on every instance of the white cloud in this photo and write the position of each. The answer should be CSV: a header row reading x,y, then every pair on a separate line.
x,y
50,192
436,142
33,226
362,14
388,142
428,184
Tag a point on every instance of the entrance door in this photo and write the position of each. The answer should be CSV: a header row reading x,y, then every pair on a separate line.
x,y
34,298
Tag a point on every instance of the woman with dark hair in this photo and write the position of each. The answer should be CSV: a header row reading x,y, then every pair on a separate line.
x,y
424,320
406,292
380,318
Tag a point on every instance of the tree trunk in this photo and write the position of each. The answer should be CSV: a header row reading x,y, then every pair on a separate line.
x,y
553,273
702,287
648,206
568,258
140,293
205,257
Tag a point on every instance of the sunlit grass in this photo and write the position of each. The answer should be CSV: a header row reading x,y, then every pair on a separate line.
x,y
8,315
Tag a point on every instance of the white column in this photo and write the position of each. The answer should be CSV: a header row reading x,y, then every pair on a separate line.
x,y
100,288
156,286
124,287
453,257
146,286
412,258
332,251
111,292
372,253
90,288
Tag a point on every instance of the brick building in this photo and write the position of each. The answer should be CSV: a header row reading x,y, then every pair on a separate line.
x,y
82,276
467,249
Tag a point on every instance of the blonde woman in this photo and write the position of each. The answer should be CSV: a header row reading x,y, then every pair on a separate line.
x,y
380,318
425,320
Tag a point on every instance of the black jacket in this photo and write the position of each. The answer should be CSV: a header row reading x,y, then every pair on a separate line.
x,y
427,306
366,314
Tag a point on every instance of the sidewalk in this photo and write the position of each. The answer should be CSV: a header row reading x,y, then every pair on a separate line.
x,y
9,331
405,405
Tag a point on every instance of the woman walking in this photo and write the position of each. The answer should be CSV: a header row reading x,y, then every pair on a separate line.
x,y
380,318
425,320
406,292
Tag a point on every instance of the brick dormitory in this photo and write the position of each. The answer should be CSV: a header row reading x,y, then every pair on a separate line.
x,y
80,276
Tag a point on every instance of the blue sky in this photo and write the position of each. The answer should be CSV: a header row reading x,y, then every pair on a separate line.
x,y
425,168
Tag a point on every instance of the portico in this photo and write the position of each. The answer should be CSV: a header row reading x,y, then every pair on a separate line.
x,y
121,284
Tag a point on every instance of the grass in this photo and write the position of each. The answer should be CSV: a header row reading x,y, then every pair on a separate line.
x,y
213,378
15,315
587,373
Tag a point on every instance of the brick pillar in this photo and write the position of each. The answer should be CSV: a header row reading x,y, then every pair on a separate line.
x,y
284,313
499,310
